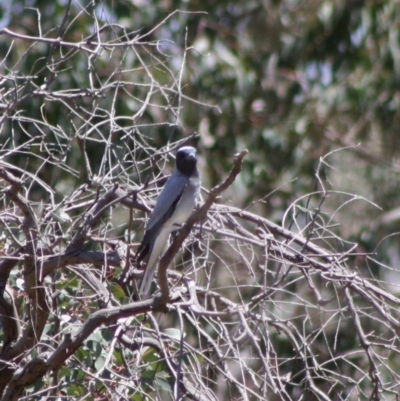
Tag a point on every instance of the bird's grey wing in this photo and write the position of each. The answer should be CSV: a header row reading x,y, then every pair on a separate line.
x,y
168,199
166,203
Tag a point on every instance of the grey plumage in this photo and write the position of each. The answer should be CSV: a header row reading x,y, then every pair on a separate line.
x,y
173,207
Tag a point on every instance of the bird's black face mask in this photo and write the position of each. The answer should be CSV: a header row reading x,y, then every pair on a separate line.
x,y
186,162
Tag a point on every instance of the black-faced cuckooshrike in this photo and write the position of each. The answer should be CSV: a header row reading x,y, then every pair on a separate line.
x,y
173,207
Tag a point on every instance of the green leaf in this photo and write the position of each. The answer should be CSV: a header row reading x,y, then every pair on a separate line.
x,y
99,363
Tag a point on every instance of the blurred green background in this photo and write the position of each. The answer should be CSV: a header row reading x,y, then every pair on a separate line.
x,y
310,88
288,80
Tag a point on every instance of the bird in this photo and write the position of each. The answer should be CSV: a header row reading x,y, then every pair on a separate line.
x,y
173,207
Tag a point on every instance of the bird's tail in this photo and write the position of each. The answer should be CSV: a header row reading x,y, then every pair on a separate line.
x,y
157,248
147,279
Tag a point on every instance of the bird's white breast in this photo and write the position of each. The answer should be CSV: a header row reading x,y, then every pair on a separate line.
x,y
184,207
